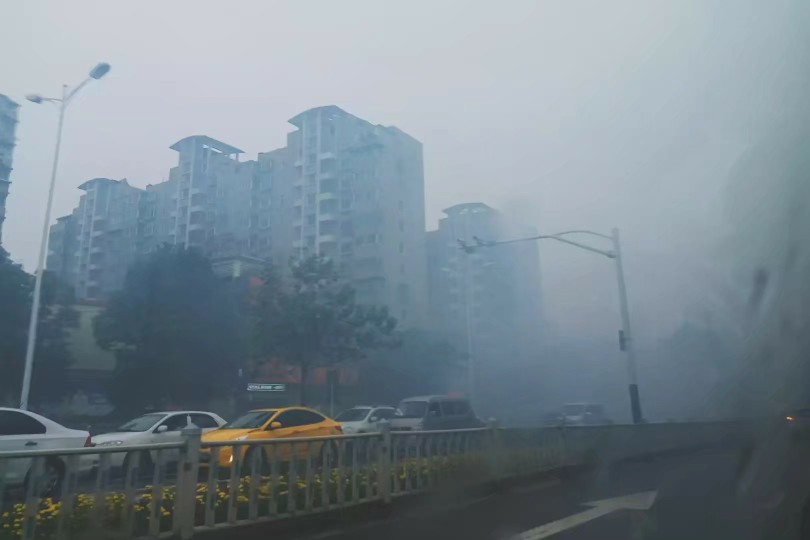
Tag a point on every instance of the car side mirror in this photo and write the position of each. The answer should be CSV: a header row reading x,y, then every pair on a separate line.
x,y
373,419
433,413
274,425
162,429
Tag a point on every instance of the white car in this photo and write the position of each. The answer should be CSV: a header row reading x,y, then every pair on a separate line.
x,y
363,419
152,428
24,430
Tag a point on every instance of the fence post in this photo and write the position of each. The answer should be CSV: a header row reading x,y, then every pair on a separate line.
x,y
186,497
384,476
494,448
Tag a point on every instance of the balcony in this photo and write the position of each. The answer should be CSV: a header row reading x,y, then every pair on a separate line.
x,y
328,238
328,216
327,196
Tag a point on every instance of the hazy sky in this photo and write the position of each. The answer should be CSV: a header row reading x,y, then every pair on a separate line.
x,y
572,114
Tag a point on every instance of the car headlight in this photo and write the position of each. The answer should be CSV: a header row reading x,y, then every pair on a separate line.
x,y
109,443
242,438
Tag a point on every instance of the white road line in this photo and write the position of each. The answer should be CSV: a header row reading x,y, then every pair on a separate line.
x,y
636,501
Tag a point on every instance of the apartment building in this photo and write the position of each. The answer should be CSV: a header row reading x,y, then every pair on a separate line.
x,y
8,127
205,204
342,188
211,196
92,248
487,300
356,195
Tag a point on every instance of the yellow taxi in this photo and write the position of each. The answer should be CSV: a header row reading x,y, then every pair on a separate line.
x,y
269,424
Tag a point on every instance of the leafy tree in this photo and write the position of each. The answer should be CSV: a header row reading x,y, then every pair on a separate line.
x,y
312,319
174,327
52,357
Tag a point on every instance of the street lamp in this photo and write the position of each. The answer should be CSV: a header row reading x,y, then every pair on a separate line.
x,y
625,337
67,95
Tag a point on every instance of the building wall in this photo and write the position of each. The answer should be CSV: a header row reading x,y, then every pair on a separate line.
x,y
357,192
498,287
92,248
8,127
342,188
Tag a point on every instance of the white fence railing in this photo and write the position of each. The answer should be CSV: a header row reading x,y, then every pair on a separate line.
x,y
170,489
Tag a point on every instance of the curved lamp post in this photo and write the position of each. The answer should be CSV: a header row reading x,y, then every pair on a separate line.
x,y
67,95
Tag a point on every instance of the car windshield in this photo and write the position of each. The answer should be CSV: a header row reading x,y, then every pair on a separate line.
x,y
142,423
413,409
353,415
250,420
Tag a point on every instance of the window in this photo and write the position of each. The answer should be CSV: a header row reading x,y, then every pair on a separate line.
x,y
457,408
176,422
298,417
17,423
203,421
250,420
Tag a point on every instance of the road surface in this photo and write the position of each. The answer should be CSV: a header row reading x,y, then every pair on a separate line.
x,y
691,496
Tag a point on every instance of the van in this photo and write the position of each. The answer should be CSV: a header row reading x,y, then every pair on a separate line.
x,y
427,413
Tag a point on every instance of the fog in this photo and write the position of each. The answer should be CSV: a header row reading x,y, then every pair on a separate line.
x,y
569,115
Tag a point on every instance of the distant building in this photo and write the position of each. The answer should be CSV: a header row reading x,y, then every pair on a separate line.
x,y
355,193
8,127
92,248
490,296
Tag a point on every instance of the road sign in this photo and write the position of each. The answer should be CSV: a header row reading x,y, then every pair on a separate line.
x,y
266,387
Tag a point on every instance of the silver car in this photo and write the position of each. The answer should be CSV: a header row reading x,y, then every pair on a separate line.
x,y
364,419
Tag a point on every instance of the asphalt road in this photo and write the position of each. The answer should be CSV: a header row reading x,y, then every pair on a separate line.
x,y
696,497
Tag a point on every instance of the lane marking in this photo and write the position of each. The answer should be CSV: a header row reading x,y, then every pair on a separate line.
x,y
637,501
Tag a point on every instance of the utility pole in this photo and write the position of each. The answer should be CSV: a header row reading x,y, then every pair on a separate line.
x,y
626,343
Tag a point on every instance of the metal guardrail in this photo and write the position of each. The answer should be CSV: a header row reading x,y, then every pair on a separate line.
x,y
190,486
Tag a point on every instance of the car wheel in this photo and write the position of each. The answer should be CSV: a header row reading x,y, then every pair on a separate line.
x,y
50,483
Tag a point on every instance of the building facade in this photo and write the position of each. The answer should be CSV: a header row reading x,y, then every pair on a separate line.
x,y
342,188
92,248
8,128
356,195
486,301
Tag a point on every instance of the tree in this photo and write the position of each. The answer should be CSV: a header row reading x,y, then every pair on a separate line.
x,y
52,357
312,319
174,327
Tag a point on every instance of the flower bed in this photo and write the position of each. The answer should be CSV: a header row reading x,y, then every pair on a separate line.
x,y
273,498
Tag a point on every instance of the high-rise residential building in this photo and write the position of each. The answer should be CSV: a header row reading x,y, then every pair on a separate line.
x,y
488,301
354,192
8,127
342,188
92,248
211,195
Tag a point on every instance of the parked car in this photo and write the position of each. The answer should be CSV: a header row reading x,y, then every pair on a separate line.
x,y
427,413
154,428
364,419
583,414
268,424
24,430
